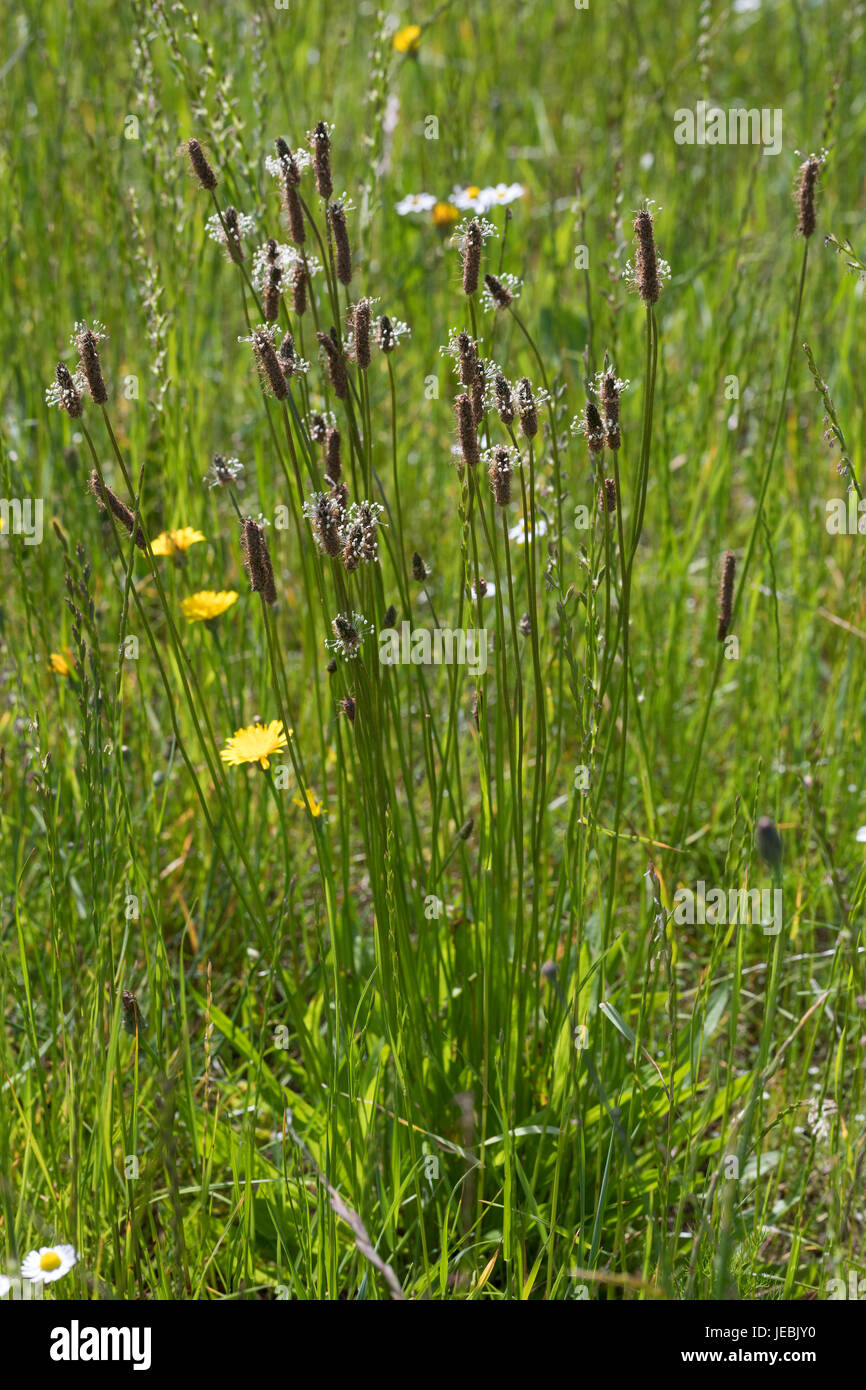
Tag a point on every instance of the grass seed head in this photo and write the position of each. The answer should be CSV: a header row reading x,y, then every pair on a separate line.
x,y
233,234
361,333
610,405
806,189
499,293
88,354
340,233
336,367
320,144
110,502
419,569
607,498
501,468
646,262
526,408
270,369
333,455
67,395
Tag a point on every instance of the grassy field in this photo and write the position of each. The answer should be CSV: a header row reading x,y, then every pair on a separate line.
x,y
457,997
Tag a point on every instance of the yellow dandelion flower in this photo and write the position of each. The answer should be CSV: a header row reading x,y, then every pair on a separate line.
x,y
312,802
408,39
58,663
206,605
445,215
170,541
255,744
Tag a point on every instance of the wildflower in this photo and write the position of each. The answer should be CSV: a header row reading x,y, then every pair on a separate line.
x,y
527,408
229,229
520,534
445,214
200,166
500,195
468,199
388,332
408,39
86,340
415,202
292,365
607,498
726,595
208,604
59,664
170,541
311,801
257,560
320,144
65,390
327,520
499,472
500,290
361,545
110,502
610,387
223,472
590,425
256,743
503,400
270,371
48,1263
349,630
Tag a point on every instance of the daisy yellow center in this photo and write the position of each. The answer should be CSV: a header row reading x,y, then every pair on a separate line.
x,y
444,214
473,190
50,1260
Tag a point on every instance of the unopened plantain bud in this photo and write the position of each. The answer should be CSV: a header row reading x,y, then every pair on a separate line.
x,y
320,143
526,408
607,496
419,569
340,232
466,435
257,560
361,333
110,502
299,288
336,367
809,171
472,257
500,471
333,460
200,167
646,273
726,595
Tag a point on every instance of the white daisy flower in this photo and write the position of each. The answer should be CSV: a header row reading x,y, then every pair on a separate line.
x,y
469,198
5,1285
520,534
500,195
416,202
861,835
48,1263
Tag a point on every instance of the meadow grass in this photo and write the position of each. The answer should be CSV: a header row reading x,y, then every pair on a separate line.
x,y
410,1012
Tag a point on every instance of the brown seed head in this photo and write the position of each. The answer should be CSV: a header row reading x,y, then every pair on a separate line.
x,y
361,333
419,569
726,595
467,358
340,232
333,460
806,188
347,705
526,408
257,560
466,435
593,428
270,370
320,144
646,261
110,502
499,472
299,288
472,257
607,496
88,353
336,367
233,234
499,293
479,388
610,405
200,167
67,392
504,400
